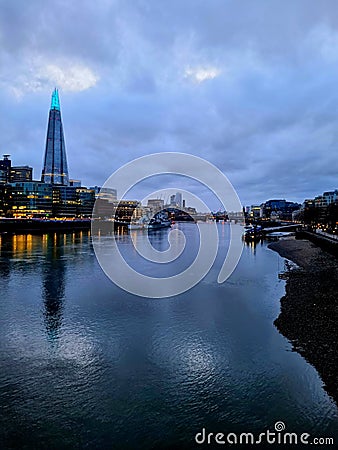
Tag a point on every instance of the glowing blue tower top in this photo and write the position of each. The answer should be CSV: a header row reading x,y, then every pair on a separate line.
x,y
55,100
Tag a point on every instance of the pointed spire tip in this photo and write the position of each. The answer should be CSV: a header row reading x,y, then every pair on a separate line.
x,y
55,104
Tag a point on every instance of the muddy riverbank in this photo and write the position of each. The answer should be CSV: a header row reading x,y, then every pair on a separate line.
x,y
309,309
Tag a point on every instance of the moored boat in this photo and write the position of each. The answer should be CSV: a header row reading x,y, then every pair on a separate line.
x,y
252,233
160,220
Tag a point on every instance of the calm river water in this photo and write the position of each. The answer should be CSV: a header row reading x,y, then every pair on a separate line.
x,y
86,365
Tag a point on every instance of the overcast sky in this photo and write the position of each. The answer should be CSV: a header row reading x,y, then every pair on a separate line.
x,y
252,86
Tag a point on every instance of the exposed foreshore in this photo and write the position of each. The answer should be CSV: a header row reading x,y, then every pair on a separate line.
x,y
309,309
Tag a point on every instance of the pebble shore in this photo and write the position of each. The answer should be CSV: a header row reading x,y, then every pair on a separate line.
x,y
309,309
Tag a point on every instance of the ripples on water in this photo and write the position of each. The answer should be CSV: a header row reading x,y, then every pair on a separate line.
x,y
86,365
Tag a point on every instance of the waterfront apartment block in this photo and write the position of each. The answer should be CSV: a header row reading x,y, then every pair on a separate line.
x,y
322,211
326,199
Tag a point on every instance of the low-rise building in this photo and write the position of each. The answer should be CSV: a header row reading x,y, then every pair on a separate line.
x,y
31,199
21,173
279,209
155,204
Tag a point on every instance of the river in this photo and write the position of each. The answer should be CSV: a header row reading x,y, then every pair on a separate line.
x,y
87,365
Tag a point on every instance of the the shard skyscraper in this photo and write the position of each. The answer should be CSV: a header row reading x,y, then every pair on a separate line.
x,y
55,168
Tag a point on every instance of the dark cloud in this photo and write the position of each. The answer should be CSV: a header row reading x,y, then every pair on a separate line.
x,y
249,86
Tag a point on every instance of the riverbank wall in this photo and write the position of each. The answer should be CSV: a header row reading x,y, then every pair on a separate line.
x,y
325,243
19,226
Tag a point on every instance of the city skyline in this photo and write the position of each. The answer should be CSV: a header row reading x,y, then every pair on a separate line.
x,y
55,167
258,104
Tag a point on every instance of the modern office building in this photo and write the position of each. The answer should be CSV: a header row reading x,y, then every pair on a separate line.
x,y
21,173
85,202
5,199
12,174
72,201
55,169
5,169
105,193
178,199
64,201
173,200
31,199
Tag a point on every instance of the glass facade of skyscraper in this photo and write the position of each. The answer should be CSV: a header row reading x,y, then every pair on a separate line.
x,y
55,169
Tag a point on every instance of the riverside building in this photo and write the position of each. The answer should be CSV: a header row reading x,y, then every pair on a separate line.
x,y
52,196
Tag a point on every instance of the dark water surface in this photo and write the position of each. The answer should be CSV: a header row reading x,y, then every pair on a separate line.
x,y
86,365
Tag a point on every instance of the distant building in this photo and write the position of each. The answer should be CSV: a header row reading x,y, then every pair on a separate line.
x,y
103,209
178,199
173,200
279,209
5,169
96,189
308,203
107,194
122,210
85,201
5,199
71,201
155,204
329,197
21,173
190,210
255,211
75,183
126,209
55,168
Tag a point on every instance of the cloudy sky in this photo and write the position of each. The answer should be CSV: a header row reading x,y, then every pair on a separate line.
x,y
251,86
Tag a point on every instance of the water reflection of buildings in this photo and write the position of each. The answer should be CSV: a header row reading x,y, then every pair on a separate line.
x,y
56,249
253,244
47,256
53,284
